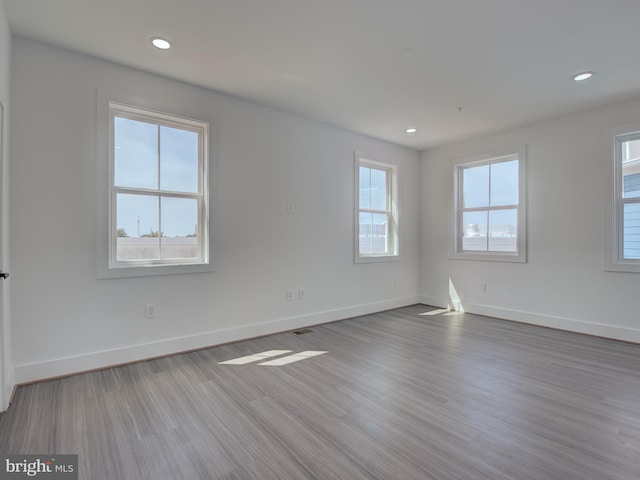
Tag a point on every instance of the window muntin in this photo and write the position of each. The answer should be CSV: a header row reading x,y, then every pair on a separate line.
x,y
376,211
158,189
489,208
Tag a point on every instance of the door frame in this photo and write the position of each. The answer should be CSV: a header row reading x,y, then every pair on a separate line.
x,y
4,401
6,380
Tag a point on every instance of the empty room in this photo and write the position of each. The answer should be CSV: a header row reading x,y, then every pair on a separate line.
x,y
356,240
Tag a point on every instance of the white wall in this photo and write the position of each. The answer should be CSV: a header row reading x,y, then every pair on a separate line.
x,y
6,370
66,320
563,284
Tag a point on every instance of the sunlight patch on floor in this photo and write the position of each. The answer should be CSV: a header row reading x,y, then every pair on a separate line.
x,y
255,357
445,312
296,357
436,312
258,357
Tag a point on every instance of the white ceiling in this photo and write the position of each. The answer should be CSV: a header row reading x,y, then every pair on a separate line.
x,y
372,66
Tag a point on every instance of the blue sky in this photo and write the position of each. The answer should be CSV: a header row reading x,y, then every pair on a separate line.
x,y
503,180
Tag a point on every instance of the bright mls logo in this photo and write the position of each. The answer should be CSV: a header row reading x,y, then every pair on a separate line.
x,y
51,467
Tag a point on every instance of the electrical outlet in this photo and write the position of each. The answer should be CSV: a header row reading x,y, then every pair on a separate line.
x,y
483,287
150,310
290,295
301,294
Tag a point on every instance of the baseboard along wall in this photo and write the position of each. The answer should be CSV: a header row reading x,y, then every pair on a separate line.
x,y
52,368
559,323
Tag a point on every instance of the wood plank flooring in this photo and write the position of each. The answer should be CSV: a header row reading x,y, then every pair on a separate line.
x,y
399,395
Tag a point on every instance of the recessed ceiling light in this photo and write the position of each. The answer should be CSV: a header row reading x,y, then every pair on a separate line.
x,y
582,76
161,43
411,130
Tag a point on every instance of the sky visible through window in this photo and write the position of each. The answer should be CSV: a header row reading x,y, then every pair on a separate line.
x,y
504,185
373,188
149,156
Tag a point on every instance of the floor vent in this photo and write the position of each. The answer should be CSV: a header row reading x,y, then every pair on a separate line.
x,y
303,331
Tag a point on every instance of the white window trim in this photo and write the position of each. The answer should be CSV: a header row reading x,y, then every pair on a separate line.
x,y
520,256
392,192
105,267
613,235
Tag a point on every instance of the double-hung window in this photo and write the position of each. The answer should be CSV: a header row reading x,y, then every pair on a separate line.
x,y
490,209
158,164
622,241
376,213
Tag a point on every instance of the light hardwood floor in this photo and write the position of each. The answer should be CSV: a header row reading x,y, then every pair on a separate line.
x,y
399,395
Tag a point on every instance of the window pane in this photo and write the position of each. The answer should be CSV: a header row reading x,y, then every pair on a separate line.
x,y
379,233
503,228
365,233
474,231
504,183
179,228
631,187
475,182
631,168
137,225
373,233
178,160
378,189
632,231
135,153
365,187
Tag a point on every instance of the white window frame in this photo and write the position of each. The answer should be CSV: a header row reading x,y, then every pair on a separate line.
x,y
520,255
393,249
613,254
108,265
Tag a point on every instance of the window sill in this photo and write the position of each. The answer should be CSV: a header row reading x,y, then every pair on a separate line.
x,y
377,259
153,270
622,266
490,257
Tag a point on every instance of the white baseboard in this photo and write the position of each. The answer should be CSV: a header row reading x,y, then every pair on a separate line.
x,y
560,323
79,363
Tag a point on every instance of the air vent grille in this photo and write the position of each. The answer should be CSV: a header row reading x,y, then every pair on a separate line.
x,y
303,331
